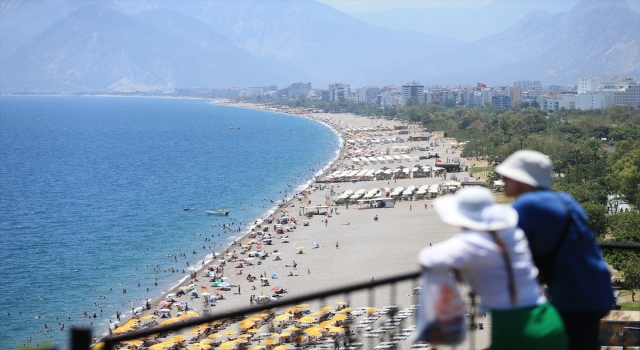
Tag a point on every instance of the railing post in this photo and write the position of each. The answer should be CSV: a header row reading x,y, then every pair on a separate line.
x,y
80,338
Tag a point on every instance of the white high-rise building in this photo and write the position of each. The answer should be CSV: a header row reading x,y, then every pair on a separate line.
x,y
588,84
612,90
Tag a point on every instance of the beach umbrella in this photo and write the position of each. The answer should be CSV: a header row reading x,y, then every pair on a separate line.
x,y
341,302
282,317
253,330
269,341
240,340
158,346
275,335
260,315
244,336
345,310
276,253
230,331
285,334
307,319
206,341
292,328
257,347
193,314
302,305
371,309
326,308
299,248
281,347
246,325
339,317
313,332
327,323
98,346
214,335
335,329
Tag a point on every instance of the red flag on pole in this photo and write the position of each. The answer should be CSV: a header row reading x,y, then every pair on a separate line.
x,y
481,85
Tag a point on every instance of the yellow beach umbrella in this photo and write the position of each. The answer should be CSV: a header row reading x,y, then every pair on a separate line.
x,y
339,317
244,336
281,347
269,341
158,346
214,335
292,328
341,302
307,319
336,329
98,346
246,325
193,313
241,341
230,331
285,334
253,330
326,324
148,317
282,317
313,332
371,309
317,313
349,309
327,308
275,335
257,347
206,341
300,248
134,342
302,305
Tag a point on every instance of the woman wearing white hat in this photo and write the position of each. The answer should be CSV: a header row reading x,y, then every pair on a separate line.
x,y
493,257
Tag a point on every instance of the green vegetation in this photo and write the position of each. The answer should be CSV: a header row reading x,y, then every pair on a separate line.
x,y
630,306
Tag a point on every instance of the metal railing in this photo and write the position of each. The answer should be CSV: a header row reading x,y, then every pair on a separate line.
x,y
81,337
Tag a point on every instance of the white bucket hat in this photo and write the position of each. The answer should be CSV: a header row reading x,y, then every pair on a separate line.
x,y
529,167
474,208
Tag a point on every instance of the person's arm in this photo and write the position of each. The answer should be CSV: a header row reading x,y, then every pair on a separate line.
x,y
454,253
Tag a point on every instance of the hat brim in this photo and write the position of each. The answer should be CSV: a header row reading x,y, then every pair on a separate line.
x,y
519,175
448,209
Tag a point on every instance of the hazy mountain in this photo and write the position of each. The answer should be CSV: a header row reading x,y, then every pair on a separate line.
x,y
208,43
463,24
22,20
95,48
596,37
330,46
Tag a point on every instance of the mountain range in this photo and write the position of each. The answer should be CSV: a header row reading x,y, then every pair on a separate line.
x,y
102,45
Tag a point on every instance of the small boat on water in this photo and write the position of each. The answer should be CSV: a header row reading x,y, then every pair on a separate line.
x,y
235,128
219,212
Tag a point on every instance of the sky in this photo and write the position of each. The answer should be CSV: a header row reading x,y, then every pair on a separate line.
x,y
363,6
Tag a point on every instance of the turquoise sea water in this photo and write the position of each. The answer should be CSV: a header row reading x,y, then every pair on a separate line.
x,y
93,191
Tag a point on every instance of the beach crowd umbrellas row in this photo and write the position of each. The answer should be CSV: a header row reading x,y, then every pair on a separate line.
x,y
294,326
382,174
400,191
380,159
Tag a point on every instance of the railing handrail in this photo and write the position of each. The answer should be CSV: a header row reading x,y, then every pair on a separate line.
x,y
110,341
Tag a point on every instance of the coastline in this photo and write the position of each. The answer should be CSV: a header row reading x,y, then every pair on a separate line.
x,y
241,237
360,249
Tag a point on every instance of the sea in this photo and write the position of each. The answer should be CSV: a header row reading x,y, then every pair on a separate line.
x,y
99,195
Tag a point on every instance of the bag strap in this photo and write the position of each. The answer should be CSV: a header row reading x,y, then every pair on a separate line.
x,y
513,292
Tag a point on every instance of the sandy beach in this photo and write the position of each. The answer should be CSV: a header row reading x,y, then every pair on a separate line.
x,y
351,247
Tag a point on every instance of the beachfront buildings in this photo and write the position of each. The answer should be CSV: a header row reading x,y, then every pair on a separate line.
x,y
413,89
607,91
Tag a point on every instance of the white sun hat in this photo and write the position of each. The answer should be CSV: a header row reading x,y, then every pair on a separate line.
x,y
474,208
529,167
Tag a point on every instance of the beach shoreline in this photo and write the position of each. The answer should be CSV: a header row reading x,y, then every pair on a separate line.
x,y
362,254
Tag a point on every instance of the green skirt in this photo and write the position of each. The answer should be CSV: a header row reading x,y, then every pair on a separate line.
x,y
530,328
